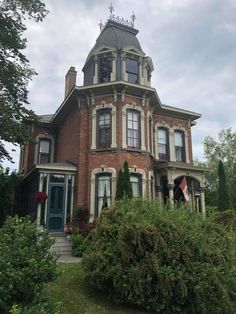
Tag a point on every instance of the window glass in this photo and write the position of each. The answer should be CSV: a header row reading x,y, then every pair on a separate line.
x,y
136,185
57,178
179,146
105,68
133,129
104,128
44,151
132,70
162,143
103,193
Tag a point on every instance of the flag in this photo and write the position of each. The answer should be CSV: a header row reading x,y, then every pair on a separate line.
x,y
184,188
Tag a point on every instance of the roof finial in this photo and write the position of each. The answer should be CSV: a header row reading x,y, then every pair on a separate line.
x,y
111,9
100,25
133,18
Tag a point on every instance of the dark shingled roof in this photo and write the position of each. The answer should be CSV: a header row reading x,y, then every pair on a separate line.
x,y
116,35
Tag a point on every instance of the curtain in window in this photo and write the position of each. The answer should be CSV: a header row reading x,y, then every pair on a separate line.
x,y
133,135
104,129
103,192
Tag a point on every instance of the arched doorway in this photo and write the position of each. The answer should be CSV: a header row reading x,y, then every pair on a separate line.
x,y
193,190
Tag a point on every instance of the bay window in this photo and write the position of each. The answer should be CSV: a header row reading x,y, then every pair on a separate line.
x,y
133,129
103,192
104,128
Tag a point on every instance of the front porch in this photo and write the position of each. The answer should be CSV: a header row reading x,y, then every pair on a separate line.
x,y
49,195
169,176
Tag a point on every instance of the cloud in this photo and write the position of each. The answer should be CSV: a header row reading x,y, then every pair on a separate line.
x,y
192,44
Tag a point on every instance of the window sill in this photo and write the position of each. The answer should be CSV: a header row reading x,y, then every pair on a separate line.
x,y
107,149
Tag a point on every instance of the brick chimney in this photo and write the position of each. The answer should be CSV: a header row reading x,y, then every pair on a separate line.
x,y
70,80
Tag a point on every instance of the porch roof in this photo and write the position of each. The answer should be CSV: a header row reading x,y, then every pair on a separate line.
x,y
63,166
177,165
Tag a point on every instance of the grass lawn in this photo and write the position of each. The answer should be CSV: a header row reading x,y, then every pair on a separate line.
x,y
74,296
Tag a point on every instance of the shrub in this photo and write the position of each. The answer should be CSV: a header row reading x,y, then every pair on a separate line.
x,y
227,218
79,244
26,263
165,261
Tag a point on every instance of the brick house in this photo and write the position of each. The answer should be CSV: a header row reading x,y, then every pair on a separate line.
x,y
115,116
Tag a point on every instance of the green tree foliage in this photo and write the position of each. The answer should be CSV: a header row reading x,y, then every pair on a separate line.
x,y
9,182
165,261
124,187
223,196
119,186
26,263
224,148
15,71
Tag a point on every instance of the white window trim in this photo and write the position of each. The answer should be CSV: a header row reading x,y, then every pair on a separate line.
x,y
135,170
94,172
124,125
113,124
36,150
170,140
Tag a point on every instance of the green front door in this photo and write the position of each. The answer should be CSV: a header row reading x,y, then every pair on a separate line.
x,y
56,207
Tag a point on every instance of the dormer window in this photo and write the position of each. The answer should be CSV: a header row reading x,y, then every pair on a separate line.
x,y
132,71
44,151
104,67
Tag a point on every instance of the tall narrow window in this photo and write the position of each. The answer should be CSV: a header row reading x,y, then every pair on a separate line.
x,y
44,151
104,128
136,183
133,129
132,70
105,68
163,149
179,146
150,134
103,192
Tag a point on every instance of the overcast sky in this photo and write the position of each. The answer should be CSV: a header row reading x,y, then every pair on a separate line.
x,y
192,45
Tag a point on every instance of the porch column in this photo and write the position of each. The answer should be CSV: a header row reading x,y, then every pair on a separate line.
x,y
159,193
39,204
202,200
171,194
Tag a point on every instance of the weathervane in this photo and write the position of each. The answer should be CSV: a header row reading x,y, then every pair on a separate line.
x,y
111,9
133,18
100,25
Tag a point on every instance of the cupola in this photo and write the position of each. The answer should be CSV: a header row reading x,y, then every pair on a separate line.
x,y
117,55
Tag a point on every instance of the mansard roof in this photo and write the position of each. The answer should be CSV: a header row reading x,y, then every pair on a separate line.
x,y
116,36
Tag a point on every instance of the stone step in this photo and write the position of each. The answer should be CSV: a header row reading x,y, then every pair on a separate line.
x,y
62,245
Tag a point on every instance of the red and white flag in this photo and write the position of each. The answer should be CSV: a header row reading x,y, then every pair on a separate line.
x,y
184,188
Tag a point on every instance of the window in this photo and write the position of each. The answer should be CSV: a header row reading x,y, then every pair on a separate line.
x,y
103,128
133,129
149,74
104,68
163,149
136,183
150,134
179,146
44,151
103,192
132,70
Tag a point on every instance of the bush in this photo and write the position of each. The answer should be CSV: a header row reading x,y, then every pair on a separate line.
x,y
165,261
26,263
79,244
226,218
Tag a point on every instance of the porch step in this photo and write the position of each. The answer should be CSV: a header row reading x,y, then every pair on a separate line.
x,y
62,245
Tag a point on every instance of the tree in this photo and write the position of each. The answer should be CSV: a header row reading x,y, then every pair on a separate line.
x,y
15,71
224,148
223,196
119,186
126,181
